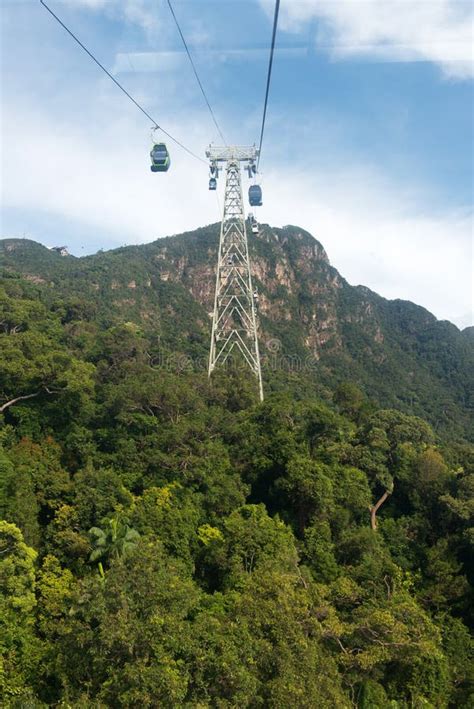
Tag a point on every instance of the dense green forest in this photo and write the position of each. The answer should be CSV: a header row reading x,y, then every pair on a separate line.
x,y
169,541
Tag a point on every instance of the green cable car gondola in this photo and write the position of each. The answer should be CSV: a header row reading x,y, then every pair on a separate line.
x,y
160,158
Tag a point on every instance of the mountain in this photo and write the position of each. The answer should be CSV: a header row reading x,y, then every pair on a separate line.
x,y
169,540
316,330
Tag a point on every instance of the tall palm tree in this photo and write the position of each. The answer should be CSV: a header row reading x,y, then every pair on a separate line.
x,y
114,541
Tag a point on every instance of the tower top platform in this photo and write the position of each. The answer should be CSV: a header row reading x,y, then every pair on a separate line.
x,y
232,152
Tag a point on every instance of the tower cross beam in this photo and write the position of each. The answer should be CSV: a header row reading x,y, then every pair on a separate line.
x,y
239,153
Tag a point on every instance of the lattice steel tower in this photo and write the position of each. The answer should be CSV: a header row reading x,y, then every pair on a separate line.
x,y
234,320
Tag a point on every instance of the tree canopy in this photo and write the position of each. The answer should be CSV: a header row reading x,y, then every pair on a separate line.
x,y
170,541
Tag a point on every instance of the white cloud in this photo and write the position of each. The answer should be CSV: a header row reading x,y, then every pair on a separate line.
x,y
90,4
104,182
159,62
171,60
438,31
377,235
374,230
143,13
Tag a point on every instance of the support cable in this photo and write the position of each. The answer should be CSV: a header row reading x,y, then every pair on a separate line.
x,y
269,75
156,125
195,72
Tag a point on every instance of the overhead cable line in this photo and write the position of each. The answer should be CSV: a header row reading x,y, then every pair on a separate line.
x,y
156,125
195,72
269,76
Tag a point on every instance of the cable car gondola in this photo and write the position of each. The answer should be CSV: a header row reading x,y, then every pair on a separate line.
x,y
160,158
213,183
255,196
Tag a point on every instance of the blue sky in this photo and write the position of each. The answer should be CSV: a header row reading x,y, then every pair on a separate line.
x,y
368,142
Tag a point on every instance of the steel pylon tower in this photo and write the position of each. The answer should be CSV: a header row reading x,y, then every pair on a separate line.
x,y
234,319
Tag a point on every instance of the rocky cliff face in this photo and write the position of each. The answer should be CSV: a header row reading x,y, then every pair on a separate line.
x,y
291,270
398,352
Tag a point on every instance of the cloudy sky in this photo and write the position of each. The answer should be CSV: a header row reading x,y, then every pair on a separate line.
x,y
369,141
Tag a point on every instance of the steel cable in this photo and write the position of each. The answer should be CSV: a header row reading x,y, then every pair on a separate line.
x,y
269,76
195,72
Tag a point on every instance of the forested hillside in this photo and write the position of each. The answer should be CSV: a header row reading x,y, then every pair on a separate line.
x,y
171,542
316,330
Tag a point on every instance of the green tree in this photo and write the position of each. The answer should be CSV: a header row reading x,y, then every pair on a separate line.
x,y
55,588
18,502
98,493
307,489
169,513
319,552
396,641
19,649
249,538
262,646
125,638
117,539
349,399
387,451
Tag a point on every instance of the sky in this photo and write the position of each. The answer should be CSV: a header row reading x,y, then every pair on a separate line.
x,y
368,143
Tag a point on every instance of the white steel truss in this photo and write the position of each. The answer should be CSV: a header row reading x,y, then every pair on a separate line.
x,y
234,320
232,152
